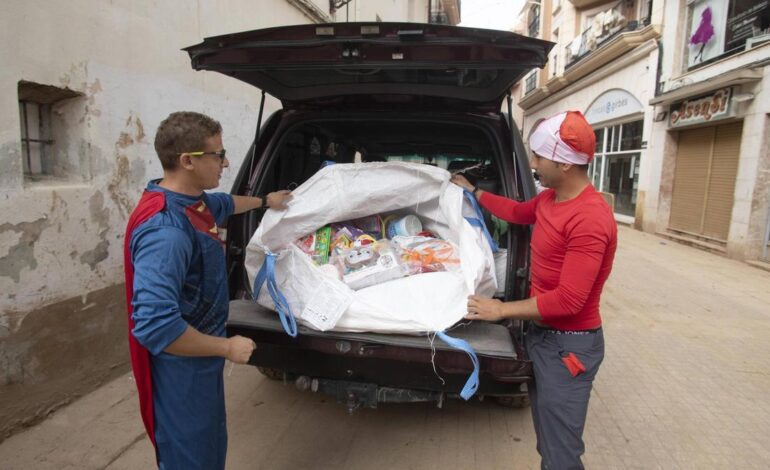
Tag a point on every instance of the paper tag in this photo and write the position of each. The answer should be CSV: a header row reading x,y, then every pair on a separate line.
x,y
327,304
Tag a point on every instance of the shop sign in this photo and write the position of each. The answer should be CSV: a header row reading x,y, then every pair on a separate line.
x,y
612,104
702,110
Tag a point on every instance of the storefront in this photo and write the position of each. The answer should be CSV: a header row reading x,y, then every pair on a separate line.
x,y
618,121
706,166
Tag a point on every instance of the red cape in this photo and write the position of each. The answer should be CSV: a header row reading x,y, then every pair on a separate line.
x,y
150,204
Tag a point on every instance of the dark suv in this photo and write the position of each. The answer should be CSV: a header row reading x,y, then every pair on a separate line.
x,y
362,92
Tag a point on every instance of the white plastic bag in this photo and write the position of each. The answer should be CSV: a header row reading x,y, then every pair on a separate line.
x,y
421,303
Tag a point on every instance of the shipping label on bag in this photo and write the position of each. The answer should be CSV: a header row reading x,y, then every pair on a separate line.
x,y
327,304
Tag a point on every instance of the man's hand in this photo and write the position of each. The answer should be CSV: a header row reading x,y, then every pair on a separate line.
x,y
461,181
482,308
239,349
278,199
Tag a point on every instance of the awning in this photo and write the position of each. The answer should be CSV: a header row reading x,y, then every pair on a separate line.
x,y
733,77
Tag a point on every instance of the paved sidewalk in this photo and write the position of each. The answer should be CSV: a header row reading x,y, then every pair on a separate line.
x,y
684,385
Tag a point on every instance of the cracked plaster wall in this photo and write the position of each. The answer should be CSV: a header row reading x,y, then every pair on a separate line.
x,y
61,240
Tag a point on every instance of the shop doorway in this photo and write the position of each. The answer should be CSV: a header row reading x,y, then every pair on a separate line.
x,y
615,168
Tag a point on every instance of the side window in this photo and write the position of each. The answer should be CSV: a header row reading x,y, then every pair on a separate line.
x,y
50,118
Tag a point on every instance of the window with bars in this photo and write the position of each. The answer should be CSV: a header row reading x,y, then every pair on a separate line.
x,y
41,134
36,141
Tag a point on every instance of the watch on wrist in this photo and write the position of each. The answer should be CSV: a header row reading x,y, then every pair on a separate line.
x,y
264,202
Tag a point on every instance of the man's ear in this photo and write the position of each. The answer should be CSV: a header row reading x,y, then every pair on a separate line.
x,y
185,161
565,167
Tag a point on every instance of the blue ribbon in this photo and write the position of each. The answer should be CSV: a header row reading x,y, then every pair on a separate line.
x,y
472,384
478,221
267,274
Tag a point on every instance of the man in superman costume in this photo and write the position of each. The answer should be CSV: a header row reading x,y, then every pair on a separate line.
x,y
177,294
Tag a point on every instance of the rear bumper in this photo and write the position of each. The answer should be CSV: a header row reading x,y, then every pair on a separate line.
x,y
397,361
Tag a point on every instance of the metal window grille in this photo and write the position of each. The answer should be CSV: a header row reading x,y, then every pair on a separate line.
x,y
36,141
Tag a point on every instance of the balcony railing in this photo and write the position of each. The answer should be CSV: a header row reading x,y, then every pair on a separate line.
x,y
605,26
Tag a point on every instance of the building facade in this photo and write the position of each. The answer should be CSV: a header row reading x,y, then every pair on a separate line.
x,y
84,86
642,71
604,64
711,127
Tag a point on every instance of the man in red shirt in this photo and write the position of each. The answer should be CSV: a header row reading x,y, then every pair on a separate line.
x,y
573,246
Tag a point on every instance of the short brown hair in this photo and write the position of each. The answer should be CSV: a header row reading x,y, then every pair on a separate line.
x,y
183,131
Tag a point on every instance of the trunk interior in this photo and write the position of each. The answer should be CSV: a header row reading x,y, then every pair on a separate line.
x,y
297,150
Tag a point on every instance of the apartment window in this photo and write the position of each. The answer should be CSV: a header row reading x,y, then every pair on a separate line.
x,y
534,21
717,28
555,53
44,140
530,82
645,11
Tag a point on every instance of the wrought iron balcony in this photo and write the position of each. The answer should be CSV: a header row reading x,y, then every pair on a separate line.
x,y
605,26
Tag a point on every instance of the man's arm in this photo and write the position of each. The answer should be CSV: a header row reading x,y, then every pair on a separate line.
x,y
506,209
194,343
481,308
585,252
161,256
276,200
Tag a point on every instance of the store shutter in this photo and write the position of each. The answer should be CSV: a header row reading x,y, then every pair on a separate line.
x,y
721,185
704,180
690,177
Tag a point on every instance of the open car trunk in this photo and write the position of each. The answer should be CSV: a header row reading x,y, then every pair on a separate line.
x,y
300,144
364,92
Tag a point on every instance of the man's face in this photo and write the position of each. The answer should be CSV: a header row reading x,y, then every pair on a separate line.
x,y
548,171
207,169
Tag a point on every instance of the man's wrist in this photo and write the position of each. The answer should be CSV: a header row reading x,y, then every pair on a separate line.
x,y
264,202
224,347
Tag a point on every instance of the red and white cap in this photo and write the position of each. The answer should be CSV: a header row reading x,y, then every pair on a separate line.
x,y
564,138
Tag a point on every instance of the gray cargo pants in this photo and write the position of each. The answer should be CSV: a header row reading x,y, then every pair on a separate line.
x,y
559,400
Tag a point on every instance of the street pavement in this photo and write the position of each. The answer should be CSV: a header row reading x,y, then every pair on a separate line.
x,y
684,385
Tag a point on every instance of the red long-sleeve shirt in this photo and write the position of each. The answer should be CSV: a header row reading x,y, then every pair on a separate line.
x,y
573,246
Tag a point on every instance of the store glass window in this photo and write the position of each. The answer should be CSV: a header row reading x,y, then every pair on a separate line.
x,y
632,136
599,133
615,168
717,28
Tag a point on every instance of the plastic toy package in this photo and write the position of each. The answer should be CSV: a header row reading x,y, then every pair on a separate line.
x,y
373,250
